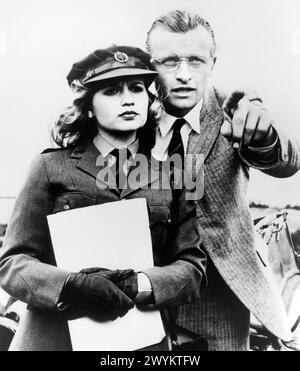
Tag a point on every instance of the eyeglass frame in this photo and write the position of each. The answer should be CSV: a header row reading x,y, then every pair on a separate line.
x,y
178,63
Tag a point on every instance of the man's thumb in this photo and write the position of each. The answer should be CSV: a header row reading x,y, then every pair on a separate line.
x,y
231,102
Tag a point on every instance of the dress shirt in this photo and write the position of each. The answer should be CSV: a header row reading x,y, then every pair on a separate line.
x,y
164,131
105,147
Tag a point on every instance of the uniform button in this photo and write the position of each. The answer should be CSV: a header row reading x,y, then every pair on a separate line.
x,y
67,207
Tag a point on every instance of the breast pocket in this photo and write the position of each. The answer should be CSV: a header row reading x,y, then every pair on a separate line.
x,y
160,226
72,200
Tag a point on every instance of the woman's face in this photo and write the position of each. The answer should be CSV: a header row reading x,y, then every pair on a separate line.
x,y
121,105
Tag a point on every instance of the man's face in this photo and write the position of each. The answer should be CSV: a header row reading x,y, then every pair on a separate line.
x,y
182,85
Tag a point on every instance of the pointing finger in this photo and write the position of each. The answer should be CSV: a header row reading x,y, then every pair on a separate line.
x,y
239,122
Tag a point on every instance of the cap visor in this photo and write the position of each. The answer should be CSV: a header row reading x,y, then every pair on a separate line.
x,y
123,72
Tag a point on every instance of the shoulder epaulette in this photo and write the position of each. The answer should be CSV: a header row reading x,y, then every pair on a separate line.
x,y
48,150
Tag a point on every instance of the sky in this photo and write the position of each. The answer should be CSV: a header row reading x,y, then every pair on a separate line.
x,y
258,47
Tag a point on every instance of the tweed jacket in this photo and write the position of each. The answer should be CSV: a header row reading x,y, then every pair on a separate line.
x,y
237,280
66,179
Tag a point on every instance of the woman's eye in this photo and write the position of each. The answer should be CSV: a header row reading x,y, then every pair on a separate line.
x,y
111,91
137,88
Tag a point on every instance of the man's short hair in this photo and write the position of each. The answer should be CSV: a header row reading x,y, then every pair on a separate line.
x,y
180,21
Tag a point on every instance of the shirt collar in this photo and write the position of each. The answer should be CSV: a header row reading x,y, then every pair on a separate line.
x,y
166,120
105,147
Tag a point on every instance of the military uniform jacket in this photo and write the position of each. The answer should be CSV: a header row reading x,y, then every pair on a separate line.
x,y
66,179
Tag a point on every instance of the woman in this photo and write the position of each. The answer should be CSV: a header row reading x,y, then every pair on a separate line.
x,y
110,113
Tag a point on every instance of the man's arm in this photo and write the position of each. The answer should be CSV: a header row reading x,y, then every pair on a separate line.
x,y
251,130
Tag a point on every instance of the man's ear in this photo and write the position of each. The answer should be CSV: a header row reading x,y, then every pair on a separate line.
x,y
213,65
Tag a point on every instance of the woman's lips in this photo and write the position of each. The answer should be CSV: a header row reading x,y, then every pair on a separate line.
x,y
128,114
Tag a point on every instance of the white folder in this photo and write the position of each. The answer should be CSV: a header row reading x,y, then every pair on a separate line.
x,y
113,235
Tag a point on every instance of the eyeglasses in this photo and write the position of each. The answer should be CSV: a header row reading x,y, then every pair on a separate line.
x,y
173,62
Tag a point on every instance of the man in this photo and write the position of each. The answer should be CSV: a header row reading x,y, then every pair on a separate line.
x,y
183,50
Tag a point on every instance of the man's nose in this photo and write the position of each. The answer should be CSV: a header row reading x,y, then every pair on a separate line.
x,y
127,98
183,72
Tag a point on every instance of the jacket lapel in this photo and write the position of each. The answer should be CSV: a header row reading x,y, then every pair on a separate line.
x,y
211,119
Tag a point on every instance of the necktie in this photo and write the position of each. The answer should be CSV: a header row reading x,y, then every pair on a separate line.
x,y
176,144
121,155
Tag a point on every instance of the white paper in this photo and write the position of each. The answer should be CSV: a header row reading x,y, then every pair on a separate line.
x,y
113,235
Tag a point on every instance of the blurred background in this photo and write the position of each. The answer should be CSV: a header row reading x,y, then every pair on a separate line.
x,y
258,46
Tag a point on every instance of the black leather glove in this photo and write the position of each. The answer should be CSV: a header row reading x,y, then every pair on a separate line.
x,y
125,279
129,285
94,295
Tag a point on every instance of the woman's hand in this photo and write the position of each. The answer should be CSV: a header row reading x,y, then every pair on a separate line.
x,y
125,279
131,283
93,293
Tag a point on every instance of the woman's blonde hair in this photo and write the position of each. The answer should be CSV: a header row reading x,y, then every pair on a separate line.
x,y
75,123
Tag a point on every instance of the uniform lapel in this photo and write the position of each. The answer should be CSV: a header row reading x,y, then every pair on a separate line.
x,y
89,161
147,175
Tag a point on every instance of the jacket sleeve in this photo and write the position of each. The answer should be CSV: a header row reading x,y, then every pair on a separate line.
x,y
180,281
27,263
285,160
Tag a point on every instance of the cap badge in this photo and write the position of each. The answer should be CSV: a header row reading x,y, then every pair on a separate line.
x,y
121,57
